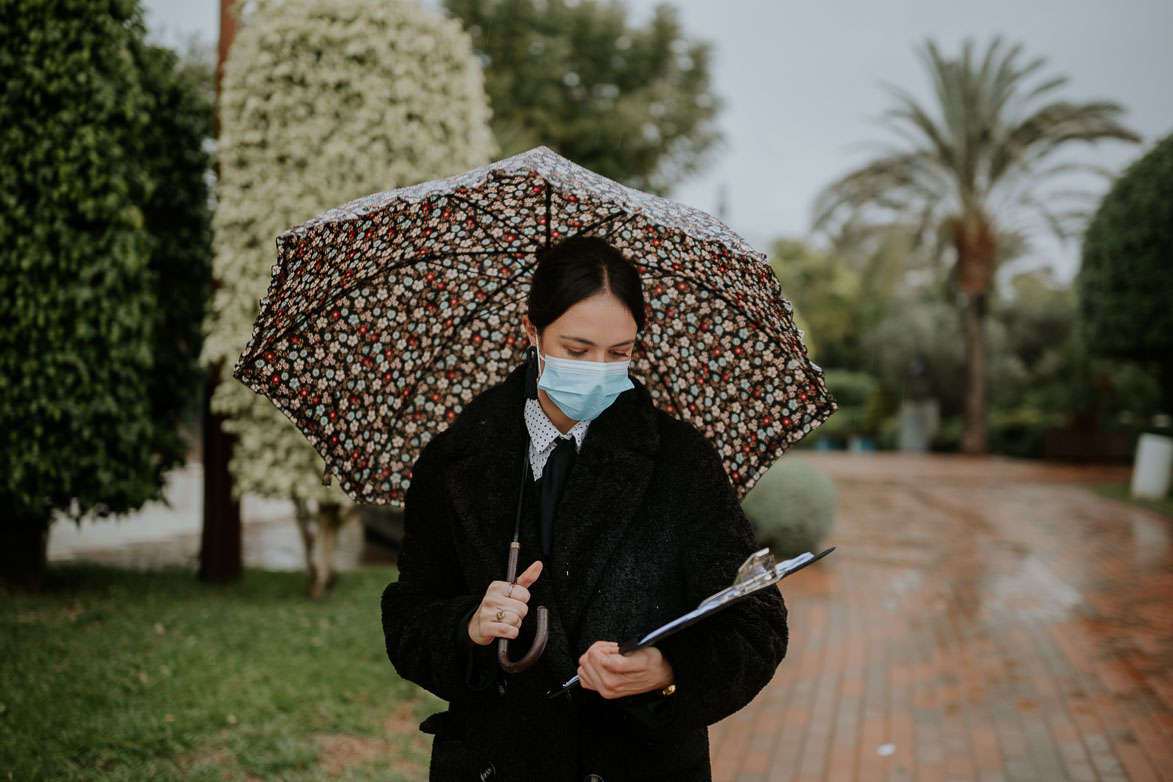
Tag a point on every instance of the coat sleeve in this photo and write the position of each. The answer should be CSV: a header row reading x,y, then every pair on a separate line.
x,y
722,662
423,608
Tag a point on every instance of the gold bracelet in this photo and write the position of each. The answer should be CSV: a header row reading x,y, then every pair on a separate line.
x,y
671,688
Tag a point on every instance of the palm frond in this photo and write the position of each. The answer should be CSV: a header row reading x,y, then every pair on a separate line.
x,y
888,184
980,149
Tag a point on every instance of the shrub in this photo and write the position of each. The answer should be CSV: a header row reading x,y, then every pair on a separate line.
x,y
323,101
1124,282
791,507
104,267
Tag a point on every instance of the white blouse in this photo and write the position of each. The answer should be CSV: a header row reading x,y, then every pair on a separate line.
x,y
543,434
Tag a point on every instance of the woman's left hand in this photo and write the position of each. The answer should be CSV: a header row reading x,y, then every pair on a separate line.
x,y
613,675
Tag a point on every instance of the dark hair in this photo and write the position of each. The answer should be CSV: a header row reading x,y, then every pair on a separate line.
x,y
576,269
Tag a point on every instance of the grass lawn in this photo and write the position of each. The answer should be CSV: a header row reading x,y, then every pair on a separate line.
x,y
1120,491
116,674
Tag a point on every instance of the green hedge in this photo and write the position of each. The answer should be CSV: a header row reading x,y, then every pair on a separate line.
x,y
104,258
1125,281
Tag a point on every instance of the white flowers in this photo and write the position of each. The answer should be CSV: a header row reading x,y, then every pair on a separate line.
x,y
323,101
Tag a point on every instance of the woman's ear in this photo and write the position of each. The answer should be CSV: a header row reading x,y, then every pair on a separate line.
x,y
530,331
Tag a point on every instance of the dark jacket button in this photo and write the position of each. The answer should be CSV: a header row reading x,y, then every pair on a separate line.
x,y
488,772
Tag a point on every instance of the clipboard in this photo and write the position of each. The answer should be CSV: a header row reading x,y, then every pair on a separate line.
x,y
757,572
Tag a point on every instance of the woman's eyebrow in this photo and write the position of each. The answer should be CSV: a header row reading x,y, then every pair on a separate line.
x,y
588,342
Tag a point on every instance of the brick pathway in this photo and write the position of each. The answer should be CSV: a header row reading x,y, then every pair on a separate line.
x,y
981,619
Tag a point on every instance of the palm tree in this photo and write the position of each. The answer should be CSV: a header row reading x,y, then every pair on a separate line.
x,y
973,176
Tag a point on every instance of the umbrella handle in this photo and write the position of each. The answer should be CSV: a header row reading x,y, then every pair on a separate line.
x,y
539,645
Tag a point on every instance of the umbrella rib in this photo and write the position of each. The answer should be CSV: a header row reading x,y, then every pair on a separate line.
x,y
393,267
700,283
628,218
435,256
452,332
340,293
478,208
549,214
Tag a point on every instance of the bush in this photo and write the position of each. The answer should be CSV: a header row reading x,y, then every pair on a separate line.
x,y
104,268
1124,282
864,403
791,507
948,434
322,101
1019,431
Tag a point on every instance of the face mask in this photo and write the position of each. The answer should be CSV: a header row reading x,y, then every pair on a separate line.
x,y
583,389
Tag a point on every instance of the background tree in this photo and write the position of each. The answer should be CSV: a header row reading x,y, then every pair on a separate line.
x,y
633,104
104,264
1125,281
974,167
322,101
178,215
828,295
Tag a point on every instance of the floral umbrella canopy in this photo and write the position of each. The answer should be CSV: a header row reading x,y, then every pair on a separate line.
x,y
386,315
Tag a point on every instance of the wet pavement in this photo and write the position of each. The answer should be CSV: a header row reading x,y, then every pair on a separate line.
x,y
981,619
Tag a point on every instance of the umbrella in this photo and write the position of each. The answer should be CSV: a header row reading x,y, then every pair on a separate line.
x,y
386,315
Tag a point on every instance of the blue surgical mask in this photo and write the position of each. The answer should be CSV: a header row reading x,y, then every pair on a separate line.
x,y
583,389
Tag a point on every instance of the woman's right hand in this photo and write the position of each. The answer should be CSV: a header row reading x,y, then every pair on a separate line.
x,y
511,602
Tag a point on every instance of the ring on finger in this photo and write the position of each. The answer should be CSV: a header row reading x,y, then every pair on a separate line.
x,y
500,615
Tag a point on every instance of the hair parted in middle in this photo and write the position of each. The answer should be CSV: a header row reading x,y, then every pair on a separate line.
x,y
577,268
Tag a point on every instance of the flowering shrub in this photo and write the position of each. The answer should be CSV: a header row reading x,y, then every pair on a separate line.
x,y
322,101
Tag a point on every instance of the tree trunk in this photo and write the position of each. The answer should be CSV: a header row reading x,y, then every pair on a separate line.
x,y
329,522
973,434
220,550
305,525
24,545
976,243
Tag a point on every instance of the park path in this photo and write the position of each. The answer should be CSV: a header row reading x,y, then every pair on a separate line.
x,y
982,618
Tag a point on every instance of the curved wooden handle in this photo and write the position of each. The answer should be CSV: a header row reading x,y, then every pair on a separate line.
x,y
540,636
535,651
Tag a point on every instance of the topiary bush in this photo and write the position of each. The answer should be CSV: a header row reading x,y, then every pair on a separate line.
x,y
792,507
104,265
1125,279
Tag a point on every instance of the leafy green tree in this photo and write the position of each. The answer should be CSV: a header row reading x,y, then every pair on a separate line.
x,y
1064,386
1125,281
633,104
919,325
104,266
828,295
322,101
972,166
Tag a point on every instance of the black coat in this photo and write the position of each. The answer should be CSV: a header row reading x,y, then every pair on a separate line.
x,y
647,527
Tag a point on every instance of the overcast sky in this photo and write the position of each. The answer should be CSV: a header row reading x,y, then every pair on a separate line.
x,y
802,84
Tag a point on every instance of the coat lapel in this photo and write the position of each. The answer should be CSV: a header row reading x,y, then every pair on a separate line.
x,y
603,493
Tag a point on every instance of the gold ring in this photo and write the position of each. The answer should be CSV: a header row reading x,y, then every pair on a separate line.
x,y
500,615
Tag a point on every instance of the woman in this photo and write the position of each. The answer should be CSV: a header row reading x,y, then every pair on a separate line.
x,y
644,526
